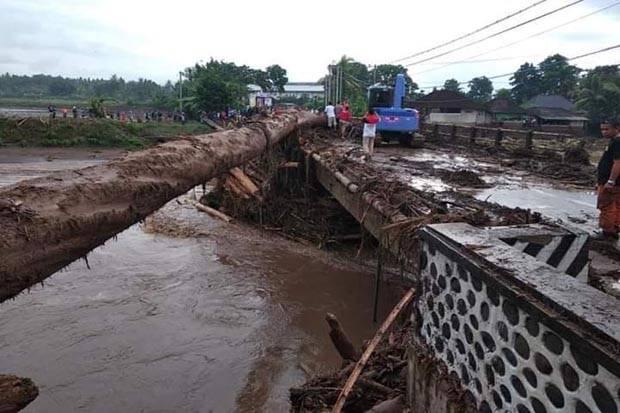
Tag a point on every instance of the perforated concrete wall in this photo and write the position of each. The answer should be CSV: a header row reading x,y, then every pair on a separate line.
x,y
505,339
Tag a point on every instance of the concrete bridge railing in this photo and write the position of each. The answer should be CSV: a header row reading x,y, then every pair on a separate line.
x,y
513,332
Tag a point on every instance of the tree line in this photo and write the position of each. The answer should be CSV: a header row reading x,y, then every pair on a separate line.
x,y
219,85
141,91
212,86
595,91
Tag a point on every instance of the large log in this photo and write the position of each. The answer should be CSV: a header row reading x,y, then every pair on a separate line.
x,y
16,393
48,222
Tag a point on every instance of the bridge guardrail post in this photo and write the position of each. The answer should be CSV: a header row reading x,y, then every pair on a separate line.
x,y
472,134
529,140
499,135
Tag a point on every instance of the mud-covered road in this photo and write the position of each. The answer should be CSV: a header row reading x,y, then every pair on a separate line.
x,y
181,313
573,206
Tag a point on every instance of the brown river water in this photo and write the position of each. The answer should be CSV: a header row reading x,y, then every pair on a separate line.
x,y
217,318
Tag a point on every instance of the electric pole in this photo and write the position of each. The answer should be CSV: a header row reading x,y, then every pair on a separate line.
x,y
180,91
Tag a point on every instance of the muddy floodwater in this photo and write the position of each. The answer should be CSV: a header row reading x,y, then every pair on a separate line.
x,y
575,207
181,313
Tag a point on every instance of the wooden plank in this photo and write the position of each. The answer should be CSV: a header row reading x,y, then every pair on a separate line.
x,y
361,363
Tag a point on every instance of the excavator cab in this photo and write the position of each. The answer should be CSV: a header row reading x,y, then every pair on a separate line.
x,y
380,96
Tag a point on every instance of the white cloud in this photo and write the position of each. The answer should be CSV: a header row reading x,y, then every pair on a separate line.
x,y
156,39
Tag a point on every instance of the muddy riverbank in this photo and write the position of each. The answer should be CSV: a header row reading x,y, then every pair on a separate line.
x,y
225,319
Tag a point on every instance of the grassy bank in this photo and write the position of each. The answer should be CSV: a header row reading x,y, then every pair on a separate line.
x,y
92,132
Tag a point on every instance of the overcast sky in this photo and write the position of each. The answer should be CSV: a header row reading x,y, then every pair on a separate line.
x,y
155,39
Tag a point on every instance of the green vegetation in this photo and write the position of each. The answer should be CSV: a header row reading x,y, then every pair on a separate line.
x,y
599,93
357,77
92,132
41,90
480,89
219,85
552,76
452,85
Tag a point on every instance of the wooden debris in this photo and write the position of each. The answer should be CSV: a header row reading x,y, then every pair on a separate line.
x,y
340,339
233,185
213,212
289,165
244,181
357,370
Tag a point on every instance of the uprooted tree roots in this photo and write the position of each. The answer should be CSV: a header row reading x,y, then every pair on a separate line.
x,y
287,202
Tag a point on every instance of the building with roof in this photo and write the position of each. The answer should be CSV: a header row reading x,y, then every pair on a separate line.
x,y
555,111
446,106
502,110
299,91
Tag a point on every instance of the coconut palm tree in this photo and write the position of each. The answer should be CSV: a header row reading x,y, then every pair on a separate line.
x,y
599,96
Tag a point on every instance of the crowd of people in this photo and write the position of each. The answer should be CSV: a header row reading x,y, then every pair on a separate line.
x,y
124,116
341,114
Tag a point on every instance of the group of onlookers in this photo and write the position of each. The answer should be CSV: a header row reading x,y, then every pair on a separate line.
x,y
341,113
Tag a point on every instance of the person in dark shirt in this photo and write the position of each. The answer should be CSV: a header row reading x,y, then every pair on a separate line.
x,y
608,180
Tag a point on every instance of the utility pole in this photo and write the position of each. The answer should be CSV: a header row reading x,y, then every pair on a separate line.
x,y
341,84
180,91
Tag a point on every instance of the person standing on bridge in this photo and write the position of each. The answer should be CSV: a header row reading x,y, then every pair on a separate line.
x,y
330,111
345,115
608,187
370,132
338,110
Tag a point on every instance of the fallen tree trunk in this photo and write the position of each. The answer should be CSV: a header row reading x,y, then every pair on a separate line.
x,y
16,393
48,222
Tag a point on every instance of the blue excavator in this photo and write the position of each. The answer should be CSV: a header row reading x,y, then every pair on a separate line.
x,y
397,122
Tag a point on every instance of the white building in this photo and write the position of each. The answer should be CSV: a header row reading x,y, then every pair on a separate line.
x,y
292,90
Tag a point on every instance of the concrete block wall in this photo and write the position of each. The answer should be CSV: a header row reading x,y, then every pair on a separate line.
x,y
520,335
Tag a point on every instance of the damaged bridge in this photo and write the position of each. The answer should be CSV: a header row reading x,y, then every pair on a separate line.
x,y
504,317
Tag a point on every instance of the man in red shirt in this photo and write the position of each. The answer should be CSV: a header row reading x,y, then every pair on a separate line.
x,y
345,114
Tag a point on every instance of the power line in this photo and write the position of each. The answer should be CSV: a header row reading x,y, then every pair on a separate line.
x,y
469,59
606,49
470,33
497,59
516,26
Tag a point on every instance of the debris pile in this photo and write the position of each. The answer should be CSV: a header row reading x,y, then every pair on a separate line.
x,y
273,192
16,393
462,177
384,378
577,155
375,380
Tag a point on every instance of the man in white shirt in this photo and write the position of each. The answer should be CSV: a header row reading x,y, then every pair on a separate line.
x,y
330,111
